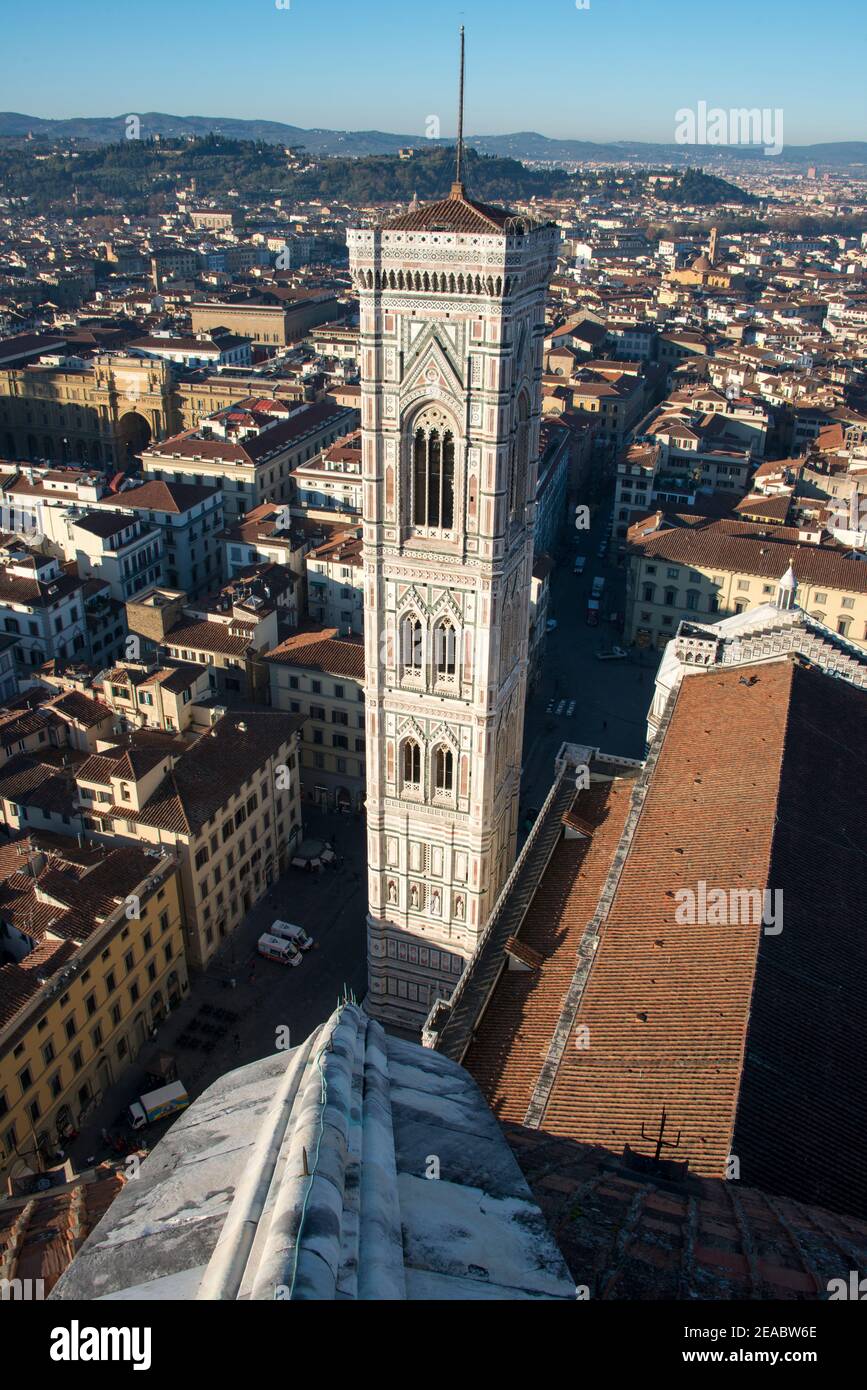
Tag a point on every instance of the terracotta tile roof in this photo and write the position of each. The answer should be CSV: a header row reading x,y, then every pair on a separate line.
x,y
210,772
81,708
628,1234
41,1232
68,900
16,725
36,784
736,1032
206,637
161,496
322,650
767,557
15,588
255,448
457,213
512,1038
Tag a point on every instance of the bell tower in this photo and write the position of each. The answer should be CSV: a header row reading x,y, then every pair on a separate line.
x,y
452,306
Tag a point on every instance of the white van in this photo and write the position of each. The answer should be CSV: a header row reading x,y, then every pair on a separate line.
x,y
287,931
273,948
580,564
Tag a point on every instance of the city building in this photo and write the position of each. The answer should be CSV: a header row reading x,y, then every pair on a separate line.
x,y
41,606
189,520
651,971
249,450
682,566
227,805
272,324
91,959
331,482
452,326
335,582
320,674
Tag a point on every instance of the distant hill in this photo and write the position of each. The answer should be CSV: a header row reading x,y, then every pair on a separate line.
x,y
144,176
522,145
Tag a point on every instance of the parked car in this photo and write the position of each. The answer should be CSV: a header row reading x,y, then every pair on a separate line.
x,y
615,654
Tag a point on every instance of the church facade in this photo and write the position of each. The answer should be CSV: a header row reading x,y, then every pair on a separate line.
x,y
452,298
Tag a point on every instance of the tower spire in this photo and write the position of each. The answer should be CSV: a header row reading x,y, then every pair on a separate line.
x,y
457,186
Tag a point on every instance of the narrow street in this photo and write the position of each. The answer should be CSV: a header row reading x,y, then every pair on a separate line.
x,y
611,697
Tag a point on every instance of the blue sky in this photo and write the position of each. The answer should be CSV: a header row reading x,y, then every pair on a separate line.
x,y
615,71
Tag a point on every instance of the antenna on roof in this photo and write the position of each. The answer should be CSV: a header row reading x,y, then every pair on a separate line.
x,y
660,1142
457,186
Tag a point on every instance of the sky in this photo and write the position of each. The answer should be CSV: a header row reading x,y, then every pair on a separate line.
x,y
619,69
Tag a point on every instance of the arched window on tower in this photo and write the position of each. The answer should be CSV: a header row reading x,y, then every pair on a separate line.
x,y
433,466
411,765
444,771
445,650
411,645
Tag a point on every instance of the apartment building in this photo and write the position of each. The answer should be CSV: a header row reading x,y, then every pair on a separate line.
x,y
106,624
121,550
228,806
335,583
229,632
204,393
319,675
273,324
619,404
41,606
331,482
250,451
156,697
681,566
189,520
219,348
91,959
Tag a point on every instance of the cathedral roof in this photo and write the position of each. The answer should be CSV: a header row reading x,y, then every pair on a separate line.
x,y
458,213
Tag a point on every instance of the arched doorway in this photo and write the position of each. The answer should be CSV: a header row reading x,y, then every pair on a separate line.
x,y
134,434
343,800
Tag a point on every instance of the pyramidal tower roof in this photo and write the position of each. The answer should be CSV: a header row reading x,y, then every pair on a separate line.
x,y
457,212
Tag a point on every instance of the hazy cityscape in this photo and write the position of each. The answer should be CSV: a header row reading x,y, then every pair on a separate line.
x,y
433,681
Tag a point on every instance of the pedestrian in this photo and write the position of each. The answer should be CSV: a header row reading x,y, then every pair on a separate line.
x,y
237,1042
605,723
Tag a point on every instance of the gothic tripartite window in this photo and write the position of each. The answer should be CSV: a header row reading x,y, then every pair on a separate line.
x,y
433,472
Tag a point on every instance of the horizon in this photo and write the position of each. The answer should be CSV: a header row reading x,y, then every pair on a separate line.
x,y
747,59
444,141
